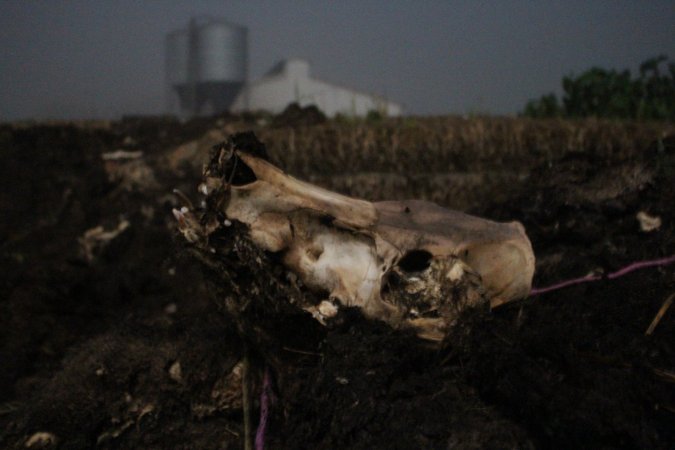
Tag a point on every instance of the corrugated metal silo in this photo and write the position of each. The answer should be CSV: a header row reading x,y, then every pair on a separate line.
x,y
177,52
221,52
207,65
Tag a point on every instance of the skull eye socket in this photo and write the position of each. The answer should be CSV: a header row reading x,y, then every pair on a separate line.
x,y
415,261
240,174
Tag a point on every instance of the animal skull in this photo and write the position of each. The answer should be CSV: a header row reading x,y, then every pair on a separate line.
x,y
408,263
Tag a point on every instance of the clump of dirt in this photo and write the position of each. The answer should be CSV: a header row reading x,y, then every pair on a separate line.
x,y
128,348
375,388
298,116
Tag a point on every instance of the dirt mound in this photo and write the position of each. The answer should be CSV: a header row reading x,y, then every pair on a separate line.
x,y
298,116
126,347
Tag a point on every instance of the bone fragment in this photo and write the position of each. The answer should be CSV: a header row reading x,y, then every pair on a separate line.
x,y
94,239
41,439
648,223
121,155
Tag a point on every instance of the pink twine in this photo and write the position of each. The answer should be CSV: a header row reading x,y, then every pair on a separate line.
x,y
619,273
266,401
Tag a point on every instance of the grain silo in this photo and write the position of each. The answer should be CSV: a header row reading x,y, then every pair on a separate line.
x,y
206,65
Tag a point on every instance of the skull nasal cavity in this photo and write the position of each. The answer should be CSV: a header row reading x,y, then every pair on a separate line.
x,y
415,261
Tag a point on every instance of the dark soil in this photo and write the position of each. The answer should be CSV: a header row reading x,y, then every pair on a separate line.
x,y
297,116
89,347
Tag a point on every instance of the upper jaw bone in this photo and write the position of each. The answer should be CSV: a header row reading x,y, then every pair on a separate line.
x,y
349,247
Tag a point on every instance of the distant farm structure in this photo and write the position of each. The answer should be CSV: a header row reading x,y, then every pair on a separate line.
x,y
206,66
290,82
207,73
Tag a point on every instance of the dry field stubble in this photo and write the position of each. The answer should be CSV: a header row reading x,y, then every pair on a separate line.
x,y
456,162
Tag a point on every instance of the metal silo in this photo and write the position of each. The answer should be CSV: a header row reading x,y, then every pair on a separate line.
x,y
177,68
177,52
207,65
221,53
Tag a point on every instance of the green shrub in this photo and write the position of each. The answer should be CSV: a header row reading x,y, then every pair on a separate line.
x,y
612,94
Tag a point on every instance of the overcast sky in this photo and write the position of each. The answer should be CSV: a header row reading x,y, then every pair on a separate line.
x,y
96,58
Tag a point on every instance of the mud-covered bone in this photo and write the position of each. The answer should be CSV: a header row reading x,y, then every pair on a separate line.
x,y
412,264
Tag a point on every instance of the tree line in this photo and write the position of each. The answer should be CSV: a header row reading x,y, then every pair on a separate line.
x,y
613,94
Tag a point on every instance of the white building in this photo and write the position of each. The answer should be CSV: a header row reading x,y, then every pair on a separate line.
x,y
289,81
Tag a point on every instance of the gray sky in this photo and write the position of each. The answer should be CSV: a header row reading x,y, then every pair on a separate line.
x,y
95,58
